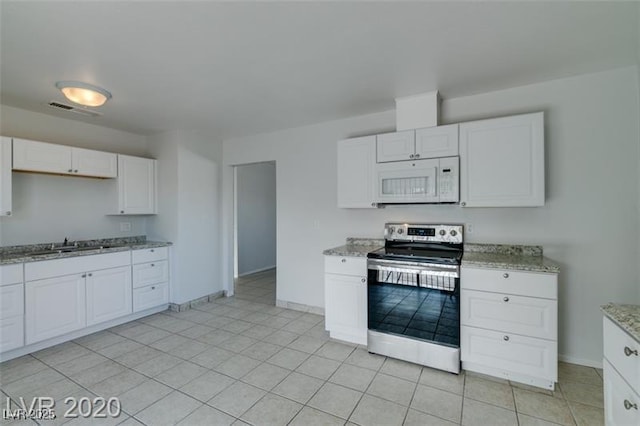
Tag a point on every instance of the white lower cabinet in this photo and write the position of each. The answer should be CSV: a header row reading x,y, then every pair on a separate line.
x,y
345,285
150,278
54,306
509,324
621,376
108,294
11,333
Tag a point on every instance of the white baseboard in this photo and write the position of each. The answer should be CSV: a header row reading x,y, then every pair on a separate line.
x,y
318,310
255,271
580,361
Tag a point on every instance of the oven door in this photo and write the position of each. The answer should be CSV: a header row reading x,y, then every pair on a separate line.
x,y
415,301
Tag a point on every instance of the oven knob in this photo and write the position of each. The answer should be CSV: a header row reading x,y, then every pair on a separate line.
x,y
443,232
400,230
392,230
453,233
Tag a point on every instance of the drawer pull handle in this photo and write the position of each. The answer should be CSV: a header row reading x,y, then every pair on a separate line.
x,y
364,280
344,260
153,264
506,299
628,351
152,250
90,275
83,276
153,288
629,405
505,275
506,338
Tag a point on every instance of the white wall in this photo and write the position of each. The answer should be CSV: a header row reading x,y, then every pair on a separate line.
x,y
589,223
256,217
189,211
49,208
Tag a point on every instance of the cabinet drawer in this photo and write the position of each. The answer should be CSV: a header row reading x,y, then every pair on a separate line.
x,y
150,273
11,300
11,333
75,265
345,265
150,296
150,254
510,353
533,284
616,393
528,316
615,342
11,274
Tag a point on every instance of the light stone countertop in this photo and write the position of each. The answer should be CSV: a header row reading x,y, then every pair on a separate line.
x,y
26,253
356,247
626,317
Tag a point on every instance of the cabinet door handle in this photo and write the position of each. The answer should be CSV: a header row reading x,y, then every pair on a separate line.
x,y
411,156
344,261
629,405
70,170
506,338
90,275
153,264
75,171
463,204
416,156
505,275
83,276
152,250
506,299
153,287
373,204
8,213
364,280
121,211
628,351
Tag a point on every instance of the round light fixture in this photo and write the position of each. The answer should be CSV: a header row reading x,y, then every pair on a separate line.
x,y
83,93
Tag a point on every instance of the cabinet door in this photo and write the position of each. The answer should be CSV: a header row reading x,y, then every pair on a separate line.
x,y
11,333
502,162
136,185
87,162
621,402
54,307
398,146
435,142
356,158
41,157
108,294
346,307
5,176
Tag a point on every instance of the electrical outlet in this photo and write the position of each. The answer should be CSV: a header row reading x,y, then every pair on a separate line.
x,y
125,226
469,228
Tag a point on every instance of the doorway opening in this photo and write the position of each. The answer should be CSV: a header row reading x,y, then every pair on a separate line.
x,y
255,232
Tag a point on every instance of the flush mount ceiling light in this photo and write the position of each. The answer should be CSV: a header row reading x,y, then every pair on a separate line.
x,y
83,93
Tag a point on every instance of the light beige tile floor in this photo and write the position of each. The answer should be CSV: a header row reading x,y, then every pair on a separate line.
x,y
242,360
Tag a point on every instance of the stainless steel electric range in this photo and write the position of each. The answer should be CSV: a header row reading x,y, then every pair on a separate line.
x,y
414,295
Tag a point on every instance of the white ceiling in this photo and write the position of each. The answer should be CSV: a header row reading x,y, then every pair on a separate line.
x,y
242,68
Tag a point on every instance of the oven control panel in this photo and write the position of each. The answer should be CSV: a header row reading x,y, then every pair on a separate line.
x,y
424,232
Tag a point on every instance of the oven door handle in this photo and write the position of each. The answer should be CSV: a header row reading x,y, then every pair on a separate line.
x,y
413,267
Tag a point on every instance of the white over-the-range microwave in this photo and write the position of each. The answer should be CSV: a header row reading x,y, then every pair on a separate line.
x,y
434,180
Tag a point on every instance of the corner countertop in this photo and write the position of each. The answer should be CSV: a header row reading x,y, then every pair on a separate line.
x,y
28,253
513,257
626,317
355,247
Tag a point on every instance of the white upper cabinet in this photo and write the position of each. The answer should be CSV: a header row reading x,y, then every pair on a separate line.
x,y
356,160
502,162
88,162
398,146
436,142
41,157
60,159
136,185
5,176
